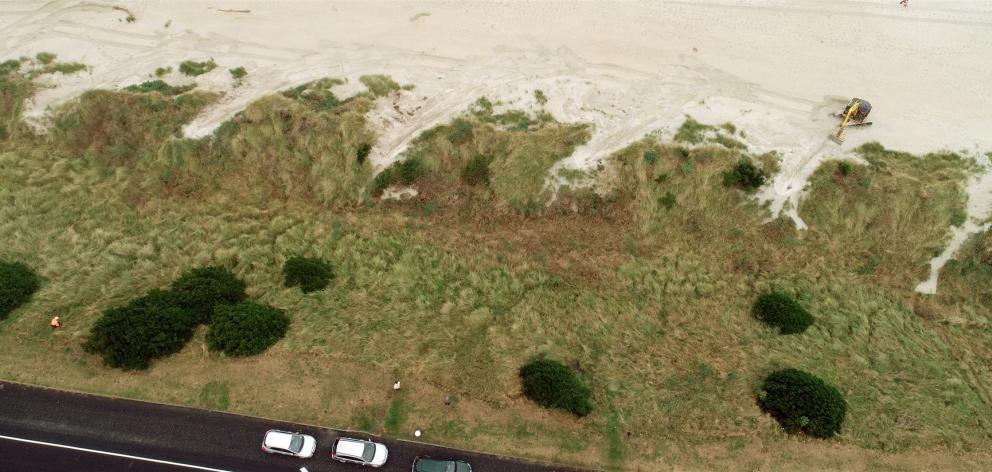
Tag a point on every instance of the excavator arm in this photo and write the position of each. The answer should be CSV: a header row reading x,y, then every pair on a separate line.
x,y
852,111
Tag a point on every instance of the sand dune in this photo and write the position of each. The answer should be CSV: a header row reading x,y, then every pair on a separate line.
x,y
776,69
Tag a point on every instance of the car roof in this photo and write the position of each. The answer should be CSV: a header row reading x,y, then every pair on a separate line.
x,y
278,439
351,447
429,464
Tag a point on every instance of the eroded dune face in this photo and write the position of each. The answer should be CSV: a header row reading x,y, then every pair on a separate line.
x,y
777,70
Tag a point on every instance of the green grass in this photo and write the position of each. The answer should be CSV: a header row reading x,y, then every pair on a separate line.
x,y
160,87
379,85
215,396
45,58
195,68
651,302
396,416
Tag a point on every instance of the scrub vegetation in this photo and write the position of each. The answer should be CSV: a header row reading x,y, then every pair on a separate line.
x,y
17,283
644,281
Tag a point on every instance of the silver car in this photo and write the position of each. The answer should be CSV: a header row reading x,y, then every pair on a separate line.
x,y
359,451
290,444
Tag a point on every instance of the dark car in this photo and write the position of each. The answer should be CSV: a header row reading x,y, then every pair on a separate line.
x,y
427,464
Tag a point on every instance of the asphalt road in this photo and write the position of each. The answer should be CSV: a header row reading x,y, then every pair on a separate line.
x,y
51,430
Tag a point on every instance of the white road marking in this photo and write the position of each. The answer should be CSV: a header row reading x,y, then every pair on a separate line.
x,y
95,451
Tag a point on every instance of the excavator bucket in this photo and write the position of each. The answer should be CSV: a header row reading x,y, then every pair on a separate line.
x,y
836,137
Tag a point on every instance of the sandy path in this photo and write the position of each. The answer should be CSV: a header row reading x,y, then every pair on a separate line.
x,y
775,68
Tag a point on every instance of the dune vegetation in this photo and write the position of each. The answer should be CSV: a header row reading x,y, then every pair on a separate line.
x,y
642,281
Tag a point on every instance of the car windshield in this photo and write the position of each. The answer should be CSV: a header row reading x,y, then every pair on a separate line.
x,y
369,452
296,444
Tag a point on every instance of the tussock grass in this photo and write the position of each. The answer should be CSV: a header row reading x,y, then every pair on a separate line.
x,y
276,149
500,160
118,128
892,215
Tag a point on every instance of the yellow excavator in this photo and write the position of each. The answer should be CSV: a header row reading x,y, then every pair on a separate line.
x,y
854,115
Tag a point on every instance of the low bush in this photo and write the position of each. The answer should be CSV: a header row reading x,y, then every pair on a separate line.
x,y
460,131
404,172
310,274
781,311
194,68
246,328
381,182
803,403
17,283
147,328
199,290
551,384
744,174
238,73
161,71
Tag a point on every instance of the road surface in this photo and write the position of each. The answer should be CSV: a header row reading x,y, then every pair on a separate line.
x,y
50,430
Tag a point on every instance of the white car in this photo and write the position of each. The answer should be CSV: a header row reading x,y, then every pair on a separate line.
x,y
359,451
290,444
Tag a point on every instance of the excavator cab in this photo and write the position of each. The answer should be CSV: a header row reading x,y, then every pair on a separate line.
x,y
862,110
854,114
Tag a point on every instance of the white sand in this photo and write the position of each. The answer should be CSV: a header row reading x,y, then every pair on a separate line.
x,y
775,68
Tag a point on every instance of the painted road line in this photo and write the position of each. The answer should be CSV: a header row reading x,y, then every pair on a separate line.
x,y
126,456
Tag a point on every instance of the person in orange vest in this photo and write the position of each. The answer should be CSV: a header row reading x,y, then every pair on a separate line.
x,y
55,323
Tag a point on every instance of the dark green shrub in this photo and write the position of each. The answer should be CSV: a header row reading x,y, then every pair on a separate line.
x,y
246,329
780,310
382,181
404,172
551,384
803,403
198,290
17,283
160,71
409,170
476,171
193,68
667,201
238,73
147,328
310,274
744,174
363,152
844,168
